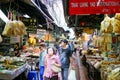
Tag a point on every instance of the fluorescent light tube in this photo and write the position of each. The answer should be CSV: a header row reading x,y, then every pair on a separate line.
x,y
3,16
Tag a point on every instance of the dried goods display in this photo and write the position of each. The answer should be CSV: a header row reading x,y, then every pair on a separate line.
x,y
14,28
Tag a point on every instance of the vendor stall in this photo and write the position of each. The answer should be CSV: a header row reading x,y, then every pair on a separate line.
x,y
11,74
11,67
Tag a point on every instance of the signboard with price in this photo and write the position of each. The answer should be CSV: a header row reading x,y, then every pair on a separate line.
x,y
94,7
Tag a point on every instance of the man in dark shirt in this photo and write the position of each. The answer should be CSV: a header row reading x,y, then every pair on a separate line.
x,y
65,58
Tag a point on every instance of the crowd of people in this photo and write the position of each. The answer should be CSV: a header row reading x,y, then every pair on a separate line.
x,y
58,57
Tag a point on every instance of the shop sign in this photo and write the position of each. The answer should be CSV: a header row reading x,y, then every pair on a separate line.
x,y
31,24
41,32
94,7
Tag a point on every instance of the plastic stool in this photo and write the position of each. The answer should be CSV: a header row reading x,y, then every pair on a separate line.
x,y
33,75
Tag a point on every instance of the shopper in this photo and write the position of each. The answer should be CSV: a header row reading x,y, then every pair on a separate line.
x,y
71,45
51,59
17,50
65,58
42,60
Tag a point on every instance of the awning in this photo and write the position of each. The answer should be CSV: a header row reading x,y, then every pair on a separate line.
x,y
27,7
42,8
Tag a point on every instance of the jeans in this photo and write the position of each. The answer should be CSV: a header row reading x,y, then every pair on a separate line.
x,y
64,73
41,72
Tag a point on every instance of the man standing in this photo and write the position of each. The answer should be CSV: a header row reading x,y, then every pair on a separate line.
x,y
65,58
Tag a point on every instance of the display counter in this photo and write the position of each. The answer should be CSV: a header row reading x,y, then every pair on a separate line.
x,y
11,74
89,69
110,70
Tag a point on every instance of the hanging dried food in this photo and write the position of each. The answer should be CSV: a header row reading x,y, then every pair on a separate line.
x,y
117,16
14,28
22,28
116,26
8,30
106,26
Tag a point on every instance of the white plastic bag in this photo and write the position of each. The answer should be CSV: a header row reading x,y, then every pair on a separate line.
x,y
72,75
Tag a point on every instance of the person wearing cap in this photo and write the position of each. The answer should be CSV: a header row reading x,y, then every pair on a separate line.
x,y
65,58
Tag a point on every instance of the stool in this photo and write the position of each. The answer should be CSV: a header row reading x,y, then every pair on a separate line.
x,y
33,75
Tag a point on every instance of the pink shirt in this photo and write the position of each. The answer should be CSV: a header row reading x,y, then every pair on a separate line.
x,y
48,63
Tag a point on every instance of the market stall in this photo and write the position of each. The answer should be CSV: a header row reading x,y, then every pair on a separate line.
x,y
10,68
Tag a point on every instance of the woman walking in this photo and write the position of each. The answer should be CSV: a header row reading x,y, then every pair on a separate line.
x,y
51,59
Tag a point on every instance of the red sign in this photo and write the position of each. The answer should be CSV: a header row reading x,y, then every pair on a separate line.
x,y
94,7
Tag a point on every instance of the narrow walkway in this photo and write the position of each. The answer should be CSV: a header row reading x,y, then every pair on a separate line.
x,y
81,71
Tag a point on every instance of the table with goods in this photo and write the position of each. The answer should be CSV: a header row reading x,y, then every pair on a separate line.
x,y
11,67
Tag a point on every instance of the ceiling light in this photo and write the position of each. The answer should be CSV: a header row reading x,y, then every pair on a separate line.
x,y
26,16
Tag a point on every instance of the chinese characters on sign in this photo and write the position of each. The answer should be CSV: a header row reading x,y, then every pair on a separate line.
x,y
94,6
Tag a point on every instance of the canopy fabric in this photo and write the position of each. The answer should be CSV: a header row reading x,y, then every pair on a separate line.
x,y
55,9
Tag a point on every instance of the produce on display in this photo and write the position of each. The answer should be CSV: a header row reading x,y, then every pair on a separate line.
x,y
32,40
110,70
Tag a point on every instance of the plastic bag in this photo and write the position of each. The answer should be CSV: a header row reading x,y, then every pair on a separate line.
x,y
22,28
8,30
16,28
72,75
106,25
116,26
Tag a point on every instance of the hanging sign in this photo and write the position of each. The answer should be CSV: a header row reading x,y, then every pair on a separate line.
x,y
94,7
31,24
